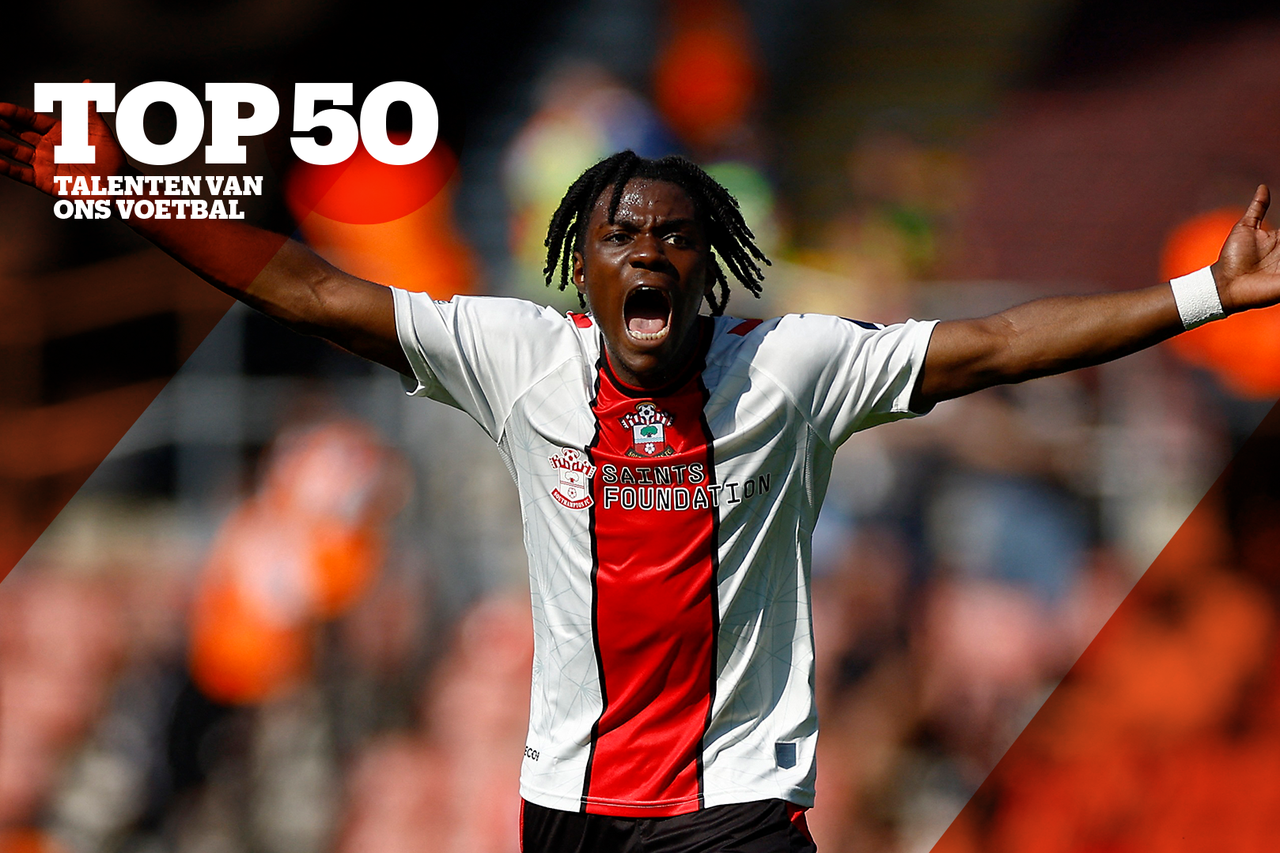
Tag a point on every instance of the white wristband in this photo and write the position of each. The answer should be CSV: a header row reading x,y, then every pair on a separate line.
x,y
1196,296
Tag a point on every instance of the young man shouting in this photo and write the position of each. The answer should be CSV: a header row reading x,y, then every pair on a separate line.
x,y
671,466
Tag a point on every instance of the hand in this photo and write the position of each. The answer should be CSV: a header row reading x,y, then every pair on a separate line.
x,y
32,154
1248,268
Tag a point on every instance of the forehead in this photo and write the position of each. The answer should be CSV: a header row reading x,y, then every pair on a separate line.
x,y
643,198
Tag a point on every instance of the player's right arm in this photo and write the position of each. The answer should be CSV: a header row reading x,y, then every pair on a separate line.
x,y
278,276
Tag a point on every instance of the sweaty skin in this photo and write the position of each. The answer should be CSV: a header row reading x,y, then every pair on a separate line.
x,y
655,241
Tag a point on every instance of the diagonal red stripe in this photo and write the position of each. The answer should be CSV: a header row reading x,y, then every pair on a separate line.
x,y
1164,735
49,451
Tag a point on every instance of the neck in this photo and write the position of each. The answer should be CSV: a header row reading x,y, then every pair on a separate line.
x,y
661,375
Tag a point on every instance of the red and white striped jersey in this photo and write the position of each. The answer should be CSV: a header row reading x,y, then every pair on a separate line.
x,y
668,535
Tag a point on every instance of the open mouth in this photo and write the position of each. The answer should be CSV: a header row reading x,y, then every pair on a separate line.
x,y
647,314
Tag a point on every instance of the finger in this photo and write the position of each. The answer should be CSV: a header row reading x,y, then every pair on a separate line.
x,y
18,172
25,119
21,153
28,136
1257,208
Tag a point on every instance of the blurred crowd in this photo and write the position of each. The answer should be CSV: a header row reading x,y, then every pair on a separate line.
x,y
1164,734
288,614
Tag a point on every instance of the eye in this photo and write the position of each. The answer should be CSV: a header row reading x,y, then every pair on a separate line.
x,y
679,240
617,237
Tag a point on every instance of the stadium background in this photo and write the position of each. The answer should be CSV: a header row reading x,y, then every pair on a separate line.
x,y
287,612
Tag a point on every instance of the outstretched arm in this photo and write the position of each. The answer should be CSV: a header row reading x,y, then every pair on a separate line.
x,y
1062,333
267,271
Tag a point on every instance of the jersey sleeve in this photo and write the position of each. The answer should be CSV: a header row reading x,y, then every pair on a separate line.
x,y
477,354
847,375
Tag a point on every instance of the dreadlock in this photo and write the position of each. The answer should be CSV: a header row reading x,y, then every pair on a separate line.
x,y
727,232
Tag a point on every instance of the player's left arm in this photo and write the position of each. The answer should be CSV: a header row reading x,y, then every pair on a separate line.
x,y
1063,333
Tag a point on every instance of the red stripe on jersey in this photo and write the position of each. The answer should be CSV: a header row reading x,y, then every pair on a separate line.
x,y
745,326
655,614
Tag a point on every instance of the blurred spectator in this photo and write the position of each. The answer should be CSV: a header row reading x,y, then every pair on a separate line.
x,y
454,784
61,640
303,549
583,115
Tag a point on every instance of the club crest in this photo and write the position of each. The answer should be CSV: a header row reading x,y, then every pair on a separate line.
x,y
648,425
576,470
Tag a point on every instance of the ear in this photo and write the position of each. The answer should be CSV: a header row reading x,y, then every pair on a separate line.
x,y
579,273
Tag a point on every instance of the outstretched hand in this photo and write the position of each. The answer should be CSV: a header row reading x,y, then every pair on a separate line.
x,y
1248,268
29,158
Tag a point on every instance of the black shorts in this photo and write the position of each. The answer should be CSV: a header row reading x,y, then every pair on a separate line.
x,y
772,826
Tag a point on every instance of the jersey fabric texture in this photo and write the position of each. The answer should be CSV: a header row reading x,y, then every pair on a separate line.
x,y
668,534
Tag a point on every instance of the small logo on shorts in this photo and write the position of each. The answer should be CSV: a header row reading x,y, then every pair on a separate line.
x,y
648,425
576,470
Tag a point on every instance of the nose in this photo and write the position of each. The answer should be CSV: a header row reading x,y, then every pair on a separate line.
x,y
648,251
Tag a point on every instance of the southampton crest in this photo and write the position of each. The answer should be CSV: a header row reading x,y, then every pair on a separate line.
x,y
574,490
648,425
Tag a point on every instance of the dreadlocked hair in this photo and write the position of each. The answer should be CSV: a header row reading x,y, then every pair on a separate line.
x,y
726,230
